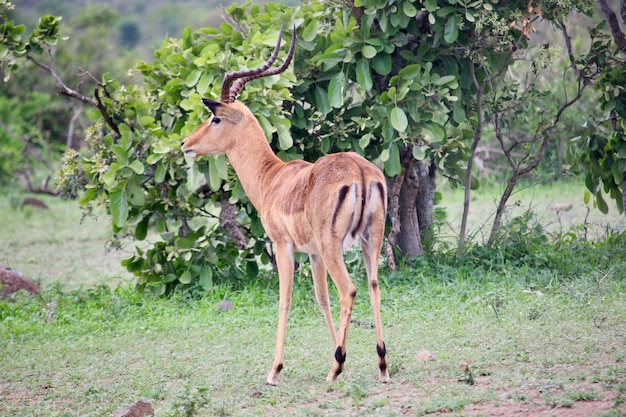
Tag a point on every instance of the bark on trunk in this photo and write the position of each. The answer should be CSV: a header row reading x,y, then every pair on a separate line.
x,y
497,222
624,192
411,198
409,239
426,199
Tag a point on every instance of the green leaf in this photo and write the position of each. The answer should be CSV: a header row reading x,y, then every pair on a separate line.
x,y
382,63
398,119
363,76
419,153
444,80
431,5
409,9
137,166
110,177
368,51
365,140
159,174
393,166
157,289
118,207
434,132
204,83
310,31
185,277
336,88
192,78
141,231
411,71
135,194
285,141
602,206
451,31
215,180
321,100
206,278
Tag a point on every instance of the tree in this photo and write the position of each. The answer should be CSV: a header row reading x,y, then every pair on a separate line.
x,y
35,127
600,153
399,84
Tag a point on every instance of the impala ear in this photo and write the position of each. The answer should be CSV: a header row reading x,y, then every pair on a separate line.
x,y
223,111
212,105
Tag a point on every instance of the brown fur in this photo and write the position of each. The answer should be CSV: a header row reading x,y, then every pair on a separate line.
x,y
305,207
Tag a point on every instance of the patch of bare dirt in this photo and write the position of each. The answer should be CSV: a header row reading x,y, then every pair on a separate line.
x,y
578,409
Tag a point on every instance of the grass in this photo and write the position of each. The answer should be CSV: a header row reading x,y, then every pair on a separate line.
x,y
90,352
58,246
541,199
541,336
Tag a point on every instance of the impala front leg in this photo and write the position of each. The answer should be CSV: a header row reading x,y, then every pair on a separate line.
x,y
285,264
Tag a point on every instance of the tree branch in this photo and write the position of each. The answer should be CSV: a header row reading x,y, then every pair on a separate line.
x,y
229,223
62,88
611,18
568,46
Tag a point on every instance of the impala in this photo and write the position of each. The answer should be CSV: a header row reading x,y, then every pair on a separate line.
x,y
319,208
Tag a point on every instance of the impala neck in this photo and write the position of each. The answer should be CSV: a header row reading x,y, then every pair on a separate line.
x,y
252,162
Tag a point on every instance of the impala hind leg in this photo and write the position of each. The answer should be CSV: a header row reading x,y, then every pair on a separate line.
x,y
320,283
370,256
285,265
347,292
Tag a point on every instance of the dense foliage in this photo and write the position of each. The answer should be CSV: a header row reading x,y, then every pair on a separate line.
x,y
410,86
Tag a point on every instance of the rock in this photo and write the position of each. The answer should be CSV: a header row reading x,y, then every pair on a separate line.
x,y
225,305
139,409
425,356
12,281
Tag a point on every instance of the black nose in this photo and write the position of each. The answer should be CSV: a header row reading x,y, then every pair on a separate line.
x,y
183,143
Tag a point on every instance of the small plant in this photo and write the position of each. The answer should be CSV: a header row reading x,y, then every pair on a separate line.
x,y
496,300
468,377
190,402
356,391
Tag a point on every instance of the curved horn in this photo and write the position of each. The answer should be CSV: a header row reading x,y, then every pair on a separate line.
x,y
227,96
230,93
241,81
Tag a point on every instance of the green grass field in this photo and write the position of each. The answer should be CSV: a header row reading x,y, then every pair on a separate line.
x,y
543,337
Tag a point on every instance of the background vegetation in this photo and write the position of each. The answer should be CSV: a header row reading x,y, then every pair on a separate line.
x,y
518,292
419,90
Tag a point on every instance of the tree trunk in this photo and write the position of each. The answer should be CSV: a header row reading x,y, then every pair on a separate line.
x,y
409,240
411,198
426,199
497,222
624,192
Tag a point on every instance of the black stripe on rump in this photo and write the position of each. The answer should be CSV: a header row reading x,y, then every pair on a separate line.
x,y
363,200
381,190
343,192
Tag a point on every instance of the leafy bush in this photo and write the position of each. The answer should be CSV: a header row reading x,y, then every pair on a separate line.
x,y
136,170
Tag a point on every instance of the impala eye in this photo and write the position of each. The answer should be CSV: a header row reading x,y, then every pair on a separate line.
x,y
216,120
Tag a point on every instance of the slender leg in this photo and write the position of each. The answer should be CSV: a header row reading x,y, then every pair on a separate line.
x,y
370,255
285,264
347,292
320,284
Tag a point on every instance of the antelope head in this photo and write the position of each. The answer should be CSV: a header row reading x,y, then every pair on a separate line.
x,y
230,118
